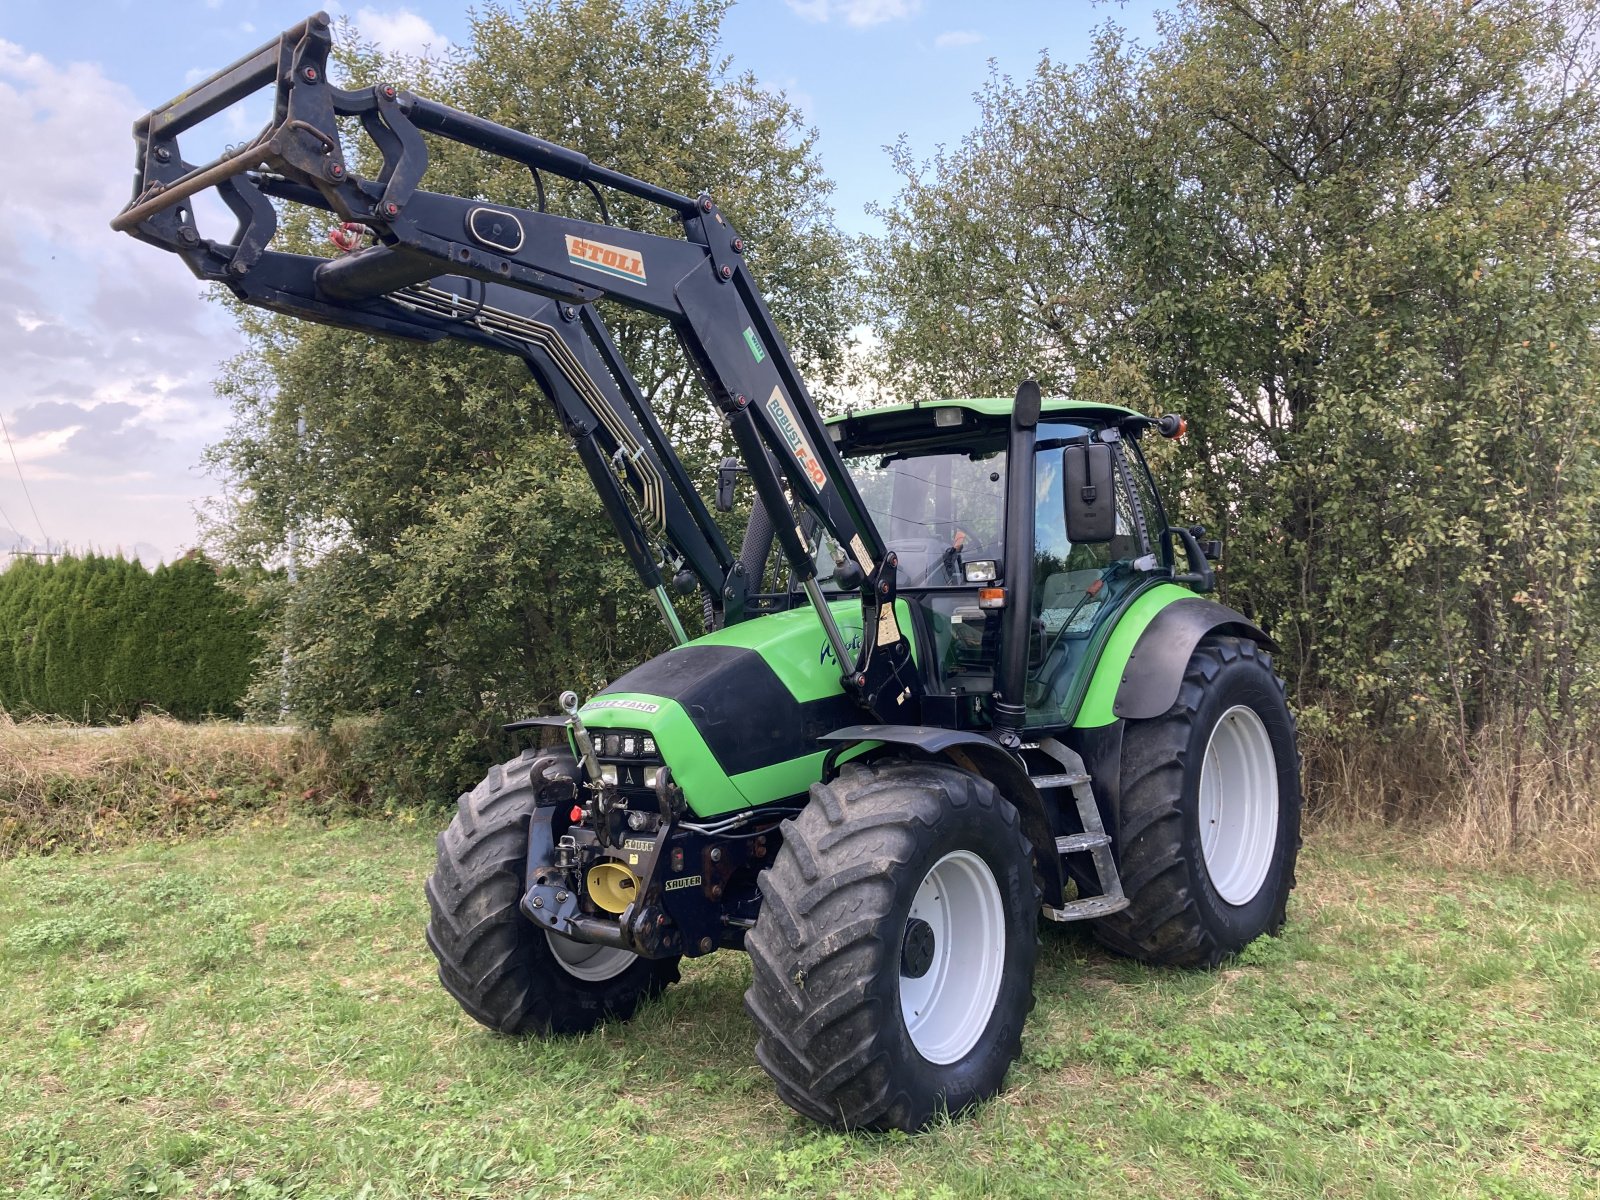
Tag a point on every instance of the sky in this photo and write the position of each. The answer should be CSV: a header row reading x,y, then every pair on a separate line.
x,y
108,348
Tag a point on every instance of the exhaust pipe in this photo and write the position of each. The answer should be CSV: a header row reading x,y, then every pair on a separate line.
x,y
1010,710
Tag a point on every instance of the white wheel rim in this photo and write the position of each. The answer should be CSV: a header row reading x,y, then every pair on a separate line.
x,y
1238,805
947,1008
585,960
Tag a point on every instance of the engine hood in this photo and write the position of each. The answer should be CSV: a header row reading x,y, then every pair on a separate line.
x,y
737,713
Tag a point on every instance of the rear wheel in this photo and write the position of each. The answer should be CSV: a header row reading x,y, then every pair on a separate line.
x,y
1210,813
892,964
506,973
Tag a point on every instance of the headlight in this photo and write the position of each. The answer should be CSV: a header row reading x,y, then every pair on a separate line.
x,y
608,774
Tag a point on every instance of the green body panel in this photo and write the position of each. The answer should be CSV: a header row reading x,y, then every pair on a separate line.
x,y
1096,707
794,645
796,648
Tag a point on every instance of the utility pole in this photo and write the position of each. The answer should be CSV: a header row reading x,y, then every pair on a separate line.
x,y
292,539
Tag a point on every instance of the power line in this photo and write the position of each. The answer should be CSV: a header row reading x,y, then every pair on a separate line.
x,y
10,445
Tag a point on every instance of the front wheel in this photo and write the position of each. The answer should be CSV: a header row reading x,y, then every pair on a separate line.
x,y
503,970
892,964
1210,813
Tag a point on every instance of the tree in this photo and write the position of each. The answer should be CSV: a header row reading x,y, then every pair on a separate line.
x,y
1354,243
458,571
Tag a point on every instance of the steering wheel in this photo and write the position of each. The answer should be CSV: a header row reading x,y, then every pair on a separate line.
x,y
963,544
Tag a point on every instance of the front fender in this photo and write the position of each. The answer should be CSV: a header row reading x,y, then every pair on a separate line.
x,y
982,755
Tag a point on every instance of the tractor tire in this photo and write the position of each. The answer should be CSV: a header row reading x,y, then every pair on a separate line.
x,y
892,963
502,969
1210,816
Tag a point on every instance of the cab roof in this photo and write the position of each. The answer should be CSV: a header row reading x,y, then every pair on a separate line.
x,y
973,422
993,406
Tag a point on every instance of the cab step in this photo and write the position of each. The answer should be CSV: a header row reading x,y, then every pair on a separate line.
x,y
1054,781
1076,843
1094,840
1086,909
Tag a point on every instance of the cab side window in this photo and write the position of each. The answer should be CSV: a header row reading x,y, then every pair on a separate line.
x,y
1070,581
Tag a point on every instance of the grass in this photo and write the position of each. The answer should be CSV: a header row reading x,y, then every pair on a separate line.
x,y
254,1014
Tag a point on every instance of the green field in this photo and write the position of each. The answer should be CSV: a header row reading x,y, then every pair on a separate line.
x,y
254,1014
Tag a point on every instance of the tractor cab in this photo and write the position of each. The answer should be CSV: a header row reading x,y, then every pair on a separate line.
x,y
934,478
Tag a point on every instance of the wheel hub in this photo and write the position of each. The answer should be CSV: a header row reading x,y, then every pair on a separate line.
x,y
951,957
1238,805
916,951
591,963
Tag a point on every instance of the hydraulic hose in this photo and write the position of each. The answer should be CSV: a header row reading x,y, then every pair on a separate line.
x,y
757,545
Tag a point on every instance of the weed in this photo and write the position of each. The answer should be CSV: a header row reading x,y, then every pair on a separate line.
x,y
63,787
53,934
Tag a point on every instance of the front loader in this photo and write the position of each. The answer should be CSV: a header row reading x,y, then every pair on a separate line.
x,y
976,687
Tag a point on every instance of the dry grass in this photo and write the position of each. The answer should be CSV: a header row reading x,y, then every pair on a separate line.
x,y
65,786
1492,803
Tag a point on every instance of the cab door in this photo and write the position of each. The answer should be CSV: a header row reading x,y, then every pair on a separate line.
x,y
1077,587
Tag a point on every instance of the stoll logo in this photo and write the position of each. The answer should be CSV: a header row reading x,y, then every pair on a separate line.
x,y
609,260
789,425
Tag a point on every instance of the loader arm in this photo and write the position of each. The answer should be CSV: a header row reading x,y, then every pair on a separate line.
x,y
525,281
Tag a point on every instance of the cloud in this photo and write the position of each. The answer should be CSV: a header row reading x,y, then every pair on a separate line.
x,y
116,430
957,37
856,13
399,32
108,347
788,88
50,416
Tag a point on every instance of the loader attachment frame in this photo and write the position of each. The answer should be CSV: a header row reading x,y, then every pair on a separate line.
x,y
526,282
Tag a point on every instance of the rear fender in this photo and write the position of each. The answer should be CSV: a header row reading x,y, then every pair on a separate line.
x,y
981,755
1154,670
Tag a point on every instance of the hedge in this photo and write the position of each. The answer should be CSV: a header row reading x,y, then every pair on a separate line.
x,y
97,639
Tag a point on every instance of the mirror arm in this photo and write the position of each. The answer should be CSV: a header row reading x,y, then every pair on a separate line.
x,y
1202,575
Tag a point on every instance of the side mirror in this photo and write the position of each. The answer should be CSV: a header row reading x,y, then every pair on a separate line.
x,y
1088,493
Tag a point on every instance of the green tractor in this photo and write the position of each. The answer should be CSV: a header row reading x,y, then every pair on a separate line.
x,y
960,677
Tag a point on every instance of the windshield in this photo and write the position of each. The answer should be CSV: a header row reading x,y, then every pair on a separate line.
x,y
936,510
